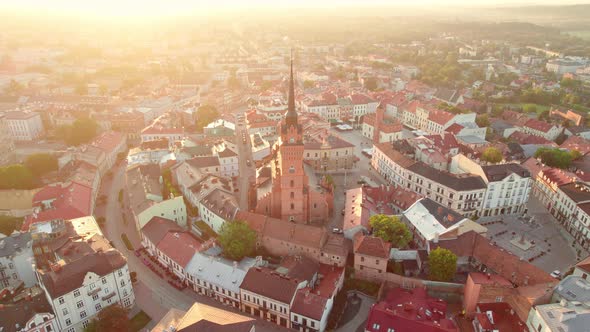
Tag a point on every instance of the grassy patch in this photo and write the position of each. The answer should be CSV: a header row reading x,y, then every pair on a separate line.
x,y
126,241
10,224
139,321
584,34
208,232
540,108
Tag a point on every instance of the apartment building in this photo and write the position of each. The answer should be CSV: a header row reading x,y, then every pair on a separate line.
x,y
79,271
542,129
371,255
508,185
16,252
6,142
24,126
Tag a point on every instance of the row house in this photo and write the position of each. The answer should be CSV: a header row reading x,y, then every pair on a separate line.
x,y
228,162
112,144
464,192
571,208
542,129
61,201
329,153
171,244
379,129
218,207
157,132
264,128
219,278
269,295
508,185
31,315
16,252
361,105
79,272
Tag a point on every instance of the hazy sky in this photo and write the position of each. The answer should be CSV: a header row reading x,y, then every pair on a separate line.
x,y
139,8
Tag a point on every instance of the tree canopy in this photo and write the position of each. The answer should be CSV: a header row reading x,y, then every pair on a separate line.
x,y
482,120
492,155
237,239
16,177
111,318
41,163
442,264
391,229
205,115
556,157
80,132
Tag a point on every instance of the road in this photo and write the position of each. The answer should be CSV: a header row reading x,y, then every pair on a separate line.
x,y
153,295
247,173
349,179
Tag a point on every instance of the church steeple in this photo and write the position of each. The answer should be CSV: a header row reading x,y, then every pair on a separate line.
x,y
291,116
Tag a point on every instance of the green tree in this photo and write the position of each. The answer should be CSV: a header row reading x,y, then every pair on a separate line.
x,y
492,155
111,318
80,132
482,120
237,239
391,229
529,108
556,157
16,177
442,264
41,163
307,84
371,83
82,89
205,115
14,88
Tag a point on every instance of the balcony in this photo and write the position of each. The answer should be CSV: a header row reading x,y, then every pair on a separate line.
x,y
94,291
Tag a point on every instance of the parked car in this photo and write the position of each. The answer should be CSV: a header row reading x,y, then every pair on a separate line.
x,y
337,230
556,274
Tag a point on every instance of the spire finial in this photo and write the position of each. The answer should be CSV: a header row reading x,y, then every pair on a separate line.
x,y
291,117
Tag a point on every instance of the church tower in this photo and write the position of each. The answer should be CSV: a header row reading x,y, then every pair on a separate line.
x,y
290,187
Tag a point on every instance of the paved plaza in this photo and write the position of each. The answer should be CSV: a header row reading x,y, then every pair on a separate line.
x,y
550,246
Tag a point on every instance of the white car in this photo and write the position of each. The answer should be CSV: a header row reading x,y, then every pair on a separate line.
x,y
336,230
556,274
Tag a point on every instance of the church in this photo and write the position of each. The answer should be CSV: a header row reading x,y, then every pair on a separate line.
x,y
292,197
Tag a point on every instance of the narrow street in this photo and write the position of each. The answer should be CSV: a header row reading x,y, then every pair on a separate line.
x,y
153,295
246,172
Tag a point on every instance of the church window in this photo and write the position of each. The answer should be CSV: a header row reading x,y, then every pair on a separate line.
x,y
292,194
292,183
292,206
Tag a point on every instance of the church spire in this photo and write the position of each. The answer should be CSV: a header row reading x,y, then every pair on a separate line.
x,y
291,117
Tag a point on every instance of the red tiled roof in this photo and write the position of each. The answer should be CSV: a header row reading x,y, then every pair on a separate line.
x,y
157,130
506,264
440,117
268,283
455,128
69,202
308,304
504,318
584,264
359,99
538,125
108,141
179,247
409,310
371,246
576,143
524,138
489,279
394,155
